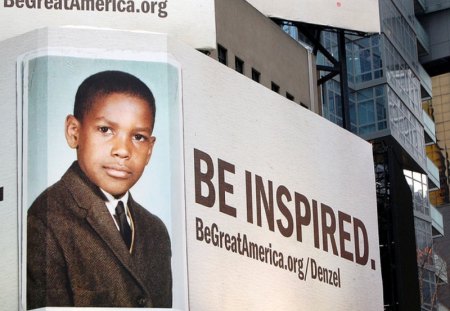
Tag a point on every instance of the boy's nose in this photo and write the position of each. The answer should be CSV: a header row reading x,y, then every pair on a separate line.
x,y
121,148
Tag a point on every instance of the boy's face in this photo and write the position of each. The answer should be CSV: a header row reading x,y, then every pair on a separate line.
x,y
114,141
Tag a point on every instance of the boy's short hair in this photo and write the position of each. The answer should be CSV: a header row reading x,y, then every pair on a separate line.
x,y
108,82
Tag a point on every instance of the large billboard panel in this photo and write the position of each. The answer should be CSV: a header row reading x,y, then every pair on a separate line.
x,y
190,21
359,15
268,206
280,203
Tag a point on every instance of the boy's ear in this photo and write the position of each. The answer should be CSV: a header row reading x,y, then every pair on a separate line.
x,y
72,131
150,149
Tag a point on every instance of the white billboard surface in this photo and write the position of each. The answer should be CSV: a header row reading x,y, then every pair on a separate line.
x,y
190,21
360,15
280,206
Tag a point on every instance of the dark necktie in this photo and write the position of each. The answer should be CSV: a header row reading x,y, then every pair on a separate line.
x,y
124,227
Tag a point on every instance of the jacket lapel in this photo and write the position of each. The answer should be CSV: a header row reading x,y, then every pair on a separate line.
x,y
89,198
101,221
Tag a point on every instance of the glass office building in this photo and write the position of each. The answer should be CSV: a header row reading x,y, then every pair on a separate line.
x,y
386,87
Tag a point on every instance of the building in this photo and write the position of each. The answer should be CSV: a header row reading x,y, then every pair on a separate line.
x,y
434,16
253,45
442,254
386,85
433,33
439,108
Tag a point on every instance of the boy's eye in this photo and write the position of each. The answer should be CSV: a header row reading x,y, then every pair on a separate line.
x,y
140,137
104,129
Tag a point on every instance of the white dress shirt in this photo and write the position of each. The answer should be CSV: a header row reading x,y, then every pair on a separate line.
x,y
111,204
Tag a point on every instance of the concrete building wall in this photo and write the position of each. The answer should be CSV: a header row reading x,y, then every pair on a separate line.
x,y
262,45
437,26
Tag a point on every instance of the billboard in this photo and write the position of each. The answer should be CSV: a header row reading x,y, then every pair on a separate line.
x,y
280,203
268,205
359,15
20,16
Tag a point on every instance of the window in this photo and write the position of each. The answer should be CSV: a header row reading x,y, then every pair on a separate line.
x,y
289,96
275,87
255,75
222,54
239,65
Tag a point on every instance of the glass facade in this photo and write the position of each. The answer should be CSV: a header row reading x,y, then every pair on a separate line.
x,y
399,29
384,93
425,261
365,61
406,128
418,184
385,99
402,79
368,110
332,105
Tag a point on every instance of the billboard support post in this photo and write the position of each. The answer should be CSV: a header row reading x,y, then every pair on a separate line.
x,y
346,123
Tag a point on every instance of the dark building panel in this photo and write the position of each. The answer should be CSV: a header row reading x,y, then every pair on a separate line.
x,y
437,26
396,227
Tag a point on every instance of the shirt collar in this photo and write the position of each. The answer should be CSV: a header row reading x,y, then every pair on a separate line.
x,y
111,202
111,199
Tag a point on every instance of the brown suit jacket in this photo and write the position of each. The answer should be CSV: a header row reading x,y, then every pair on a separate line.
x,y
76,255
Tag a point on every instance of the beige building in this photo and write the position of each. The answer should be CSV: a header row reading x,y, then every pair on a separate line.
x,y
252,44
439,107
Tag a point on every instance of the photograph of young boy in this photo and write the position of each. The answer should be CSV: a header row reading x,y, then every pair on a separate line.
x,y
89,244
